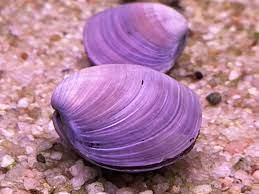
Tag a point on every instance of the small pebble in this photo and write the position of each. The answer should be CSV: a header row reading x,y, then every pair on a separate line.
x,y
51,126
81,174
78,181
23,103
94,188
30,183
37,131
55,38
40,158
214,98
56,155
77,168
161,188
256,175
56,180
45,145
222,170
110,188
6,161
29,150
6,191
234,75
198,75
213,83
24,56
202,189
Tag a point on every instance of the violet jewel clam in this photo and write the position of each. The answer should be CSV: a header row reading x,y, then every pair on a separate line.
x,y
126,117
149,34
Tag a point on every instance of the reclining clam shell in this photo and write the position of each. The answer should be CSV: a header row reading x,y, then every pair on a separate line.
x,y
126,117
149,34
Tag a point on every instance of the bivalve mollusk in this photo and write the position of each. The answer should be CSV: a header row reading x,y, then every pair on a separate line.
x,y
126,117
149,34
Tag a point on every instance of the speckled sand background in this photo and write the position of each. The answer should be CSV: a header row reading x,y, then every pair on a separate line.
x,y
41,43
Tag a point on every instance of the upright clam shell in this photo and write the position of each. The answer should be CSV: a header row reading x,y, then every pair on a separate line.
x,y
126,117
149,34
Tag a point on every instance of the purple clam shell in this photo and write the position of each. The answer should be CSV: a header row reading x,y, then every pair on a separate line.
x,y
126,117
149,34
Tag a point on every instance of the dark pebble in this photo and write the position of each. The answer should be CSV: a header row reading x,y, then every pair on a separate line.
x,y
40,158
1,74
34,191
198,75
214,98
24,56
254,43
66,70
57,146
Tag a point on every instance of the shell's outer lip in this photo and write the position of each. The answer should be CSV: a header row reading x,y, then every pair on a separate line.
x,y
56,118
180,49
139,169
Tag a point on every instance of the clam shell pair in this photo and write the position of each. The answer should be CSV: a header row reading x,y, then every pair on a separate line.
x,y
148,34
126,117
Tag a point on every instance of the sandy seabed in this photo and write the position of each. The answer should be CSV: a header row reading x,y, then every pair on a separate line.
x,y
41,43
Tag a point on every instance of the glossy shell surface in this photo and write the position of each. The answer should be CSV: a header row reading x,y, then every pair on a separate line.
x,y
149,34
126,117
